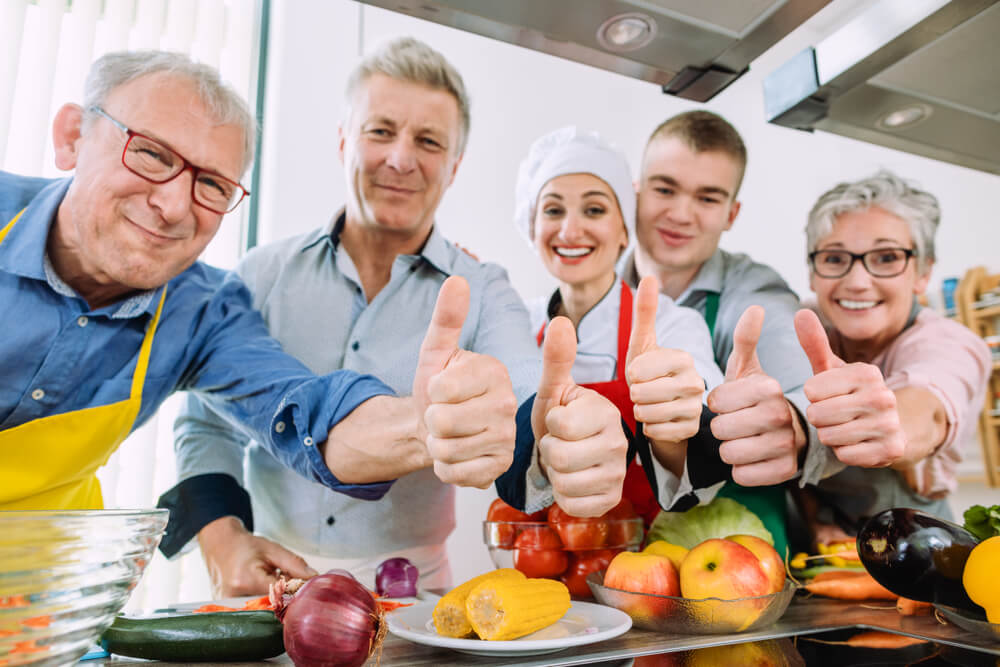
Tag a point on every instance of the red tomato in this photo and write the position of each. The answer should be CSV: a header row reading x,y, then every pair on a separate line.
x,y
538,552
504,535
581,564
578,534
623,533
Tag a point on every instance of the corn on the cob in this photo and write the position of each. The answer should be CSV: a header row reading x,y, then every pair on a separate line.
x,y
449,612
502,609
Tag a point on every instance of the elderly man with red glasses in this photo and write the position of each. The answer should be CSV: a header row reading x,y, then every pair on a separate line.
x,y
108,310
897,387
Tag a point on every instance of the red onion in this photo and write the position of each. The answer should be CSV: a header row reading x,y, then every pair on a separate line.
x,y
332,621
396,578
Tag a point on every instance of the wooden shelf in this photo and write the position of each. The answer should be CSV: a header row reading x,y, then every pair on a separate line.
x,y
983,322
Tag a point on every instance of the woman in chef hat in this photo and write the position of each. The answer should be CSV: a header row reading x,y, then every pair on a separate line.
x,y
575,205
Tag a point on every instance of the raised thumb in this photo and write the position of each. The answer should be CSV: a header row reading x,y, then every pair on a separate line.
x,y
445,330
814,342
558,355
743,359
643,336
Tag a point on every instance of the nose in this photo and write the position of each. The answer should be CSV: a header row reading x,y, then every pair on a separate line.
x,y
571,228
402,156
681,209
173,198
857,276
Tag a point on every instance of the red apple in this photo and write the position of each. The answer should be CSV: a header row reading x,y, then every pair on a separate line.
x,y
769,559
645,573
726,570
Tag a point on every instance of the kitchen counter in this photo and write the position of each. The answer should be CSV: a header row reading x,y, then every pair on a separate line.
x,y
803,617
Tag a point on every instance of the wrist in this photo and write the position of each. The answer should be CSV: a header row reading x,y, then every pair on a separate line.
x,y
220,531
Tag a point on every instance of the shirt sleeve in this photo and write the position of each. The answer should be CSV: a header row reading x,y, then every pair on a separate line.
x,y
243,374
953,364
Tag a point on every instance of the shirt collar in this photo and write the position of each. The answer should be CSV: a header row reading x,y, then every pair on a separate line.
x,y
709,277
435,250
23,252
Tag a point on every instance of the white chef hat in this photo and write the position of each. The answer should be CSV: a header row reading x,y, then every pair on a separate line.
x,y
571,151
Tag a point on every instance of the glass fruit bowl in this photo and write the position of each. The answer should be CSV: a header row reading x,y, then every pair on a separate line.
x,y
567,551
64,575
665,613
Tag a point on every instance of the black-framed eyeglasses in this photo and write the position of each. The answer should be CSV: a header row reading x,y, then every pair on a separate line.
x,y
880,262
149,159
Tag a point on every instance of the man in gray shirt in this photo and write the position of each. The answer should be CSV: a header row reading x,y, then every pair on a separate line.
x,y
358,294
691,173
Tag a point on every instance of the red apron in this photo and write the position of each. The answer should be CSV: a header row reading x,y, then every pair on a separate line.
x,y
636,487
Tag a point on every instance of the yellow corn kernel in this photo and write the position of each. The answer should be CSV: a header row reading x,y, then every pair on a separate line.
x,y
823,549
502,609
449,612
837,561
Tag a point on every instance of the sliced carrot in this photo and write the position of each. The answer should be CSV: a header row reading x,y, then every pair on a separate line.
x,y
209,608
878,639
37,621
28,646
259,604
13,601
389,605
848,586
908,607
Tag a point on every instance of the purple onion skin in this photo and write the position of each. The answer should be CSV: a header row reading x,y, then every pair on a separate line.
x,y
396,578
332,622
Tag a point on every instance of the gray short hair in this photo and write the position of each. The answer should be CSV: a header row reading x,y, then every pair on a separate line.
x,y
226,105
920,210
408,59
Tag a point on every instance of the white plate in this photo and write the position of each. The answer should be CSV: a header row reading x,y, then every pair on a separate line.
x,y
584,623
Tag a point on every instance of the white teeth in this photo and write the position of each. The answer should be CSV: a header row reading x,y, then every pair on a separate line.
x,y
573,252
857,305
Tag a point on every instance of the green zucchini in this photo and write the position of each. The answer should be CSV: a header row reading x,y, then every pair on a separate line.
x,y
209,637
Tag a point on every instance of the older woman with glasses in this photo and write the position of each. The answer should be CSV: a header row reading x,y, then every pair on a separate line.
x,y
897,387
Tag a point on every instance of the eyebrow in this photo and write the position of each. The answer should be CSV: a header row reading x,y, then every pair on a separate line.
x,y
703,189
160,140
878,241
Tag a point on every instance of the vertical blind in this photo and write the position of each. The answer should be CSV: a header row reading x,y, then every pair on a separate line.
x,y
49,46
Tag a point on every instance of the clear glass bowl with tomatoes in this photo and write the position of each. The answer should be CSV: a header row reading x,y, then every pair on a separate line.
x,y
554,545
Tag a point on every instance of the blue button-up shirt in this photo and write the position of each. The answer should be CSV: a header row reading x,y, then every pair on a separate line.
x,y
58,355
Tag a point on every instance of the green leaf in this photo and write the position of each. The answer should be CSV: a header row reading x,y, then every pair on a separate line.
x,y
983,522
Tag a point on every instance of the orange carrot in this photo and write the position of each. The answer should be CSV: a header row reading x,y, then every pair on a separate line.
x,y
908,607
13,601
209,608
849,586
259,604
389,605
878,639
37,621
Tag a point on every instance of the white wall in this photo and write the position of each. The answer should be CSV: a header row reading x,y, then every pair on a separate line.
x,y
519,94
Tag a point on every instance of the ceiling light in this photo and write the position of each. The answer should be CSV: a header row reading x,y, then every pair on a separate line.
x,y
626,32
905,117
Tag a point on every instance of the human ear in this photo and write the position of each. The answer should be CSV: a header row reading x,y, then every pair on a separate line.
x,y
66,135
734,211
920,286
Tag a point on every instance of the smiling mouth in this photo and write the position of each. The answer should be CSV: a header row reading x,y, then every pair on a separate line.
x,y
572,253
153,235
673,238
848,304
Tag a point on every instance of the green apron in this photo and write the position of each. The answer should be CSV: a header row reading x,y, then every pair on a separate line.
x,y
767,502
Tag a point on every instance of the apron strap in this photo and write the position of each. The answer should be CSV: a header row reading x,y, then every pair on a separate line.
x,y
3,232
624,329
711,311
139,376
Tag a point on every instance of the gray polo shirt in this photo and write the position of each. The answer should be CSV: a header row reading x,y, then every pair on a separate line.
x,y
308,290
741,282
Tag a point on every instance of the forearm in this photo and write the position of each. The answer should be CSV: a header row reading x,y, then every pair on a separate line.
x,y
672,455
377,442
924,423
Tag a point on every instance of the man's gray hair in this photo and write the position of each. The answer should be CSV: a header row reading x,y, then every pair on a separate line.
x,y
918,209
226,106
408,59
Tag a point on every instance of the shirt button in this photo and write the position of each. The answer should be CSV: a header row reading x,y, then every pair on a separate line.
x,y
38,394
279,427
355,345
330,520
307,441
82,320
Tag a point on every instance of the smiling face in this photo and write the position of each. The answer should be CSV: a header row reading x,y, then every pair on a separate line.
x,y
868,312
117,230
578,229
400,152
686,201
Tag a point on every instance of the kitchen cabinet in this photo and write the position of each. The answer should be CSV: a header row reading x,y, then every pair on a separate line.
x,y
977,300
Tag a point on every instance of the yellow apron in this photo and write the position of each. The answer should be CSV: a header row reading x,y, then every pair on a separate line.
x,y
49,463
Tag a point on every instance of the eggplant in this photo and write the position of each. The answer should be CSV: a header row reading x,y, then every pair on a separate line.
x,y
918,556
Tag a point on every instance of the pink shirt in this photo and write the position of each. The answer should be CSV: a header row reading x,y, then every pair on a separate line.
x,y
954,364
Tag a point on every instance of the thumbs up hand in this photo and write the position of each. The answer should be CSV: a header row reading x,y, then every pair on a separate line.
x,y
853,410
663,383
465,402
578,433
760,431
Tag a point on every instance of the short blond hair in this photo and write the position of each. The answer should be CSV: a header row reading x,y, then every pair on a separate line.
x,y
704,131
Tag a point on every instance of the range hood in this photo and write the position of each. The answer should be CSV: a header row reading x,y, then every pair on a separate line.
x,y
691,48
921,76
